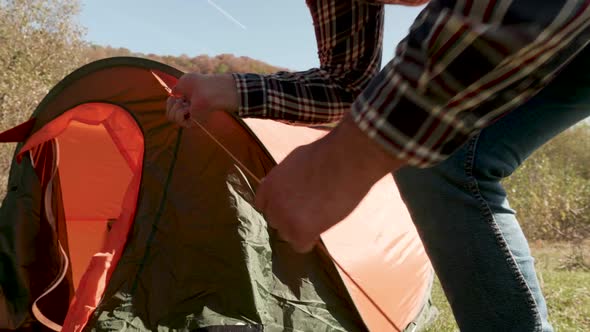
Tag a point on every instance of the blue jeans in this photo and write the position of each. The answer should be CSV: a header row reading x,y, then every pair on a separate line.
x,y
462,213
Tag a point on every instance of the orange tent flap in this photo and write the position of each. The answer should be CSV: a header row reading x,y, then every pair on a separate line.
x,y
101,151
94,173
377,244
18,133
116,122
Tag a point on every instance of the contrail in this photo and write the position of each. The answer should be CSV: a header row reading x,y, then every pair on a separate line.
x,y
226,14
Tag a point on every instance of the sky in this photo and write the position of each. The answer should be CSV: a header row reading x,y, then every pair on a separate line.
x,y
277,32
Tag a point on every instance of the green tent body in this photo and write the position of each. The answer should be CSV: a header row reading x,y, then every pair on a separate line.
x,y
117,220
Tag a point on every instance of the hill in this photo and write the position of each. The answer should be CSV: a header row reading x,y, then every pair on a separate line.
x,y
202,63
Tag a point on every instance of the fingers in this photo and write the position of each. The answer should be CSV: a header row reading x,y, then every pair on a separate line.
x,y
301,243
304,247
182,106
170,103
178,110
286,228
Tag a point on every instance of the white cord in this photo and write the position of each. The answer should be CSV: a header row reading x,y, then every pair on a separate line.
x,y
51,219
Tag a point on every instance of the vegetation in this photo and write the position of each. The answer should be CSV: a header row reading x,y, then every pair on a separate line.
x,y
40,42
566,288
219,64
552,189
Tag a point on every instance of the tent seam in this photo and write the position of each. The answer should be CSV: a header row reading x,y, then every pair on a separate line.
x,y
158,214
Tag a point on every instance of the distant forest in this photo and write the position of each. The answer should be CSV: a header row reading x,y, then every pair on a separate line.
x,y
202,63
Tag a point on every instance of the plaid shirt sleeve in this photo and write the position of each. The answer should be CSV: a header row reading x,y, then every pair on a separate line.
x,y
349,37
463,65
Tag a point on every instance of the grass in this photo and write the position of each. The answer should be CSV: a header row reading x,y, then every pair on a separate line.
x,y
565,278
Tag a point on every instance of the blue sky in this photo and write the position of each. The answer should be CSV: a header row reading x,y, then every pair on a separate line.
x,y
277,32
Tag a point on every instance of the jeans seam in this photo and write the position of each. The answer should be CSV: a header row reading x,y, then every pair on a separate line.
x,y
473,187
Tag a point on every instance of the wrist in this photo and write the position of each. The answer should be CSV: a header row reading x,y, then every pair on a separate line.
x,y
225,95
363,155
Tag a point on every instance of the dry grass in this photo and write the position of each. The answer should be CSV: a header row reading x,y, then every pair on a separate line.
x,y
564,272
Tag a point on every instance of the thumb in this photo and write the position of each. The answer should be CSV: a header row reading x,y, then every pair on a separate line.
x,y
183,87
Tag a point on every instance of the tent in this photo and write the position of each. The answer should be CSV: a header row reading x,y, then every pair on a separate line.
x,y
117,220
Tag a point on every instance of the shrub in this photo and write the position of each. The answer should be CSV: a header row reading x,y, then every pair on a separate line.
x,y
41,43
551,191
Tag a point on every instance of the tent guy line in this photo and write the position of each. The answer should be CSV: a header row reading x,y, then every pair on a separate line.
x,y
258,181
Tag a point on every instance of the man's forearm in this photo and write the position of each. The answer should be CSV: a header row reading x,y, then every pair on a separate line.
x,y
349,145
349,41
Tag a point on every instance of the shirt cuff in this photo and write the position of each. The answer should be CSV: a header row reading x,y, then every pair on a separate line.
x,y
252,91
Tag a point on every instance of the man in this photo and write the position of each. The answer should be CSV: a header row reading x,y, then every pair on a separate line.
x,y
465,66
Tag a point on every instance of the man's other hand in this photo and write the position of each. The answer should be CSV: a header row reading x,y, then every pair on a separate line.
x,y
319,184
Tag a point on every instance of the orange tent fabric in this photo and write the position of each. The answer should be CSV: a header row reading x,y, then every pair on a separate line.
x,y
376,244
100,159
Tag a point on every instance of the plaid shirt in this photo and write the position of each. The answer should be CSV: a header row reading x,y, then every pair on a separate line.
x,y
463,65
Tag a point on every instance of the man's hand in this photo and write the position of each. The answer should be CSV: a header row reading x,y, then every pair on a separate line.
x,y
319,184
196,94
